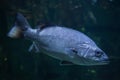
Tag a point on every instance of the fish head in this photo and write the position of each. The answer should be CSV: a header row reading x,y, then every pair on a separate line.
x,y
95,56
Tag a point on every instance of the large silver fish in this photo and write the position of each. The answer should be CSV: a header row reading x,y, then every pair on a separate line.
x,y
68,45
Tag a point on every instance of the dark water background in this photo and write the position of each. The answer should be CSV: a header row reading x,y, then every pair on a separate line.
x,y
99,19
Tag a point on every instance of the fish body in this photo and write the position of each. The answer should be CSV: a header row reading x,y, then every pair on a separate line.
x,y
65,44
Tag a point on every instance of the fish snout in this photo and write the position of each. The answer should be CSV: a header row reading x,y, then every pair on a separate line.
x,y
105,60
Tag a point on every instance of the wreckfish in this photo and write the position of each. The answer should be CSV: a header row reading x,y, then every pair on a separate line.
x,y
65,44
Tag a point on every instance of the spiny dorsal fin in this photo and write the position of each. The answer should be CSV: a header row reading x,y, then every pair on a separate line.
x,y
44,24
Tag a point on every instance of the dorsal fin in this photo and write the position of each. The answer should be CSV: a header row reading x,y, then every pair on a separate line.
x,y
44,24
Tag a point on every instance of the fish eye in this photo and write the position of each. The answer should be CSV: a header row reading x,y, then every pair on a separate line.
x,y
98,53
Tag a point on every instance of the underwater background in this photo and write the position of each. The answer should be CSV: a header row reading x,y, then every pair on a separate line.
x,y
99,19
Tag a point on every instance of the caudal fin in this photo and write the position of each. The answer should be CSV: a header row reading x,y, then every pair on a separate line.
x,y
15,32
20,25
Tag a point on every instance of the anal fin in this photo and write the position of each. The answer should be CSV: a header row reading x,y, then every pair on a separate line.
x,y
34,48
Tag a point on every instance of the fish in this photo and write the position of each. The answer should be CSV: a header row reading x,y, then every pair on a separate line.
x,y
68,45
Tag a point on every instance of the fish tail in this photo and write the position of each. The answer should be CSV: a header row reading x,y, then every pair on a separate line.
x,y
21,25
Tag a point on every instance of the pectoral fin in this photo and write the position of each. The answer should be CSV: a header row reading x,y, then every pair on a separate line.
x,y
71,52
34,48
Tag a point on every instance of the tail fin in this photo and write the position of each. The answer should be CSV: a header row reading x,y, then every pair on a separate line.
x,y
21,25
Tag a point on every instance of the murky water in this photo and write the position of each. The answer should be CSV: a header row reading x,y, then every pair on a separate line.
x,y
99,19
